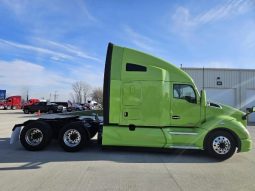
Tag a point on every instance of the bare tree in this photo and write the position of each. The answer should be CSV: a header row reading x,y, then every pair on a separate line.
x,y
86,88
97,95
72,98
77,88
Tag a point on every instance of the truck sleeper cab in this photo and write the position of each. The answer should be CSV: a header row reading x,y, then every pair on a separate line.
x,y
147,102
151,103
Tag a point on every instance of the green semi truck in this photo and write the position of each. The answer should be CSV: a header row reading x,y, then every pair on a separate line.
x,y
147,102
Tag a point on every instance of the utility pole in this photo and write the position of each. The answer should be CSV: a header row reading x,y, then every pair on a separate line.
x,y
27,95
55,96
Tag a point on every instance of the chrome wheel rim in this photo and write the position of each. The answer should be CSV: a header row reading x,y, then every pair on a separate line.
x,y
34,136
72,138
221,145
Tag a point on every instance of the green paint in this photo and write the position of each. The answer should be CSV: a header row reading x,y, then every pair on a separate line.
x,y
162,116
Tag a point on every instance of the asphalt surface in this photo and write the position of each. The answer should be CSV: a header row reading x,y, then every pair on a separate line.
x,y
116,169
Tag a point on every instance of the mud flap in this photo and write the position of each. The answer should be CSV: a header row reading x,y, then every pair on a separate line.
x,y
15,135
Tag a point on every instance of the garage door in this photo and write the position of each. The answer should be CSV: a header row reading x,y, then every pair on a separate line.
x,y
224,96
249,102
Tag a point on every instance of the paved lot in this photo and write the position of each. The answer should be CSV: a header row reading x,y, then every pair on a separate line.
x,y
94,169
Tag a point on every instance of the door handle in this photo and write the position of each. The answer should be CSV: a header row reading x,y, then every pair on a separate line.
x,y
176,117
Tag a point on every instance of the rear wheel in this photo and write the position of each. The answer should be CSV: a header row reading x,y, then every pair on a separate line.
x,y
73,137
36,136
220,144
13,107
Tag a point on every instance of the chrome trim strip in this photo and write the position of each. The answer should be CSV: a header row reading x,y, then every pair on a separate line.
x,y
182,133
184,147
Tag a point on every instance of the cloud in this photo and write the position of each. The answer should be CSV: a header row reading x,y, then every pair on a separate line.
x,y
139,40
61,7
55,50
41,81
69,49
34,48
183,19
22,73
57,18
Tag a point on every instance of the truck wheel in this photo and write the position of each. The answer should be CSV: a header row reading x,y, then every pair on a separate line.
x,y
26,111
36,136
14,107
73,137
220,144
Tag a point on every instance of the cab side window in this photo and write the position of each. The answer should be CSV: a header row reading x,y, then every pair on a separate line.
x,y
184,91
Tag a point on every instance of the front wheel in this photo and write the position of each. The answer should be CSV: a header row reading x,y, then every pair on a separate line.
x,y
220,144
73,137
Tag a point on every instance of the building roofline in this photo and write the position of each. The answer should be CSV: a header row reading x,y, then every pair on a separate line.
x,y
227,69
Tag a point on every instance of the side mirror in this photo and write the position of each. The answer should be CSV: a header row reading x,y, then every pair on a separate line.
x,y
203,98
250,110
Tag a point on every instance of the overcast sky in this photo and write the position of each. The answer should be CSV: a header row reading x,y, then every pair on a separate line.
x,y
47,45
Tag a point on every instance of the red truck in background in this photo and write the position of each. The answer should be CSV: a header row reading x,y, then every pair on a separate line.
x,y
12,102
31,102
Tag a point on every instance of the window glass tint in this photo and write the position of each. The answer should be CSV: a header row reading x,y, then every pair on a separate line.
x,y
184,91
135,68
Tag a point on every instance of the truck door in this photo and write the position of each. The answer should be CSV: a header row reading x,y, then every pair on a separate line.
x,y
185,106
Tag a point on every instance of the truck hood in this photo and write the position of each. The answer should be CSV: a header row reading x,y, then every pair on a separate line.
x,y
229,113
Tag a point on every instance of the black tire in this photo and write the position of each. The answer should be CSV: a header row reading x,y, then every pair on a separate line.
x,y
14,107
220,144
41,130
26,111
50,111
77,130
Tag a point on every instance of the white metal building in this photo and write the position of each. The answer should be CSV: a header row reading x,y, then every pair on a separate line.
x,y
234,87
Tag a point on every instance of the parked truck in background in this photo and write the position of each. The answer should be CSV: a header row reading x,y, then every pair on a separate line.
x,y
30,102
147,102
12,102
43,107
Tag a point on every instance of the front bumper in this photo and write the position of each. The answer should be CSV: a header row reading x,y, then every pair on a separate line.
x,y
246,145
